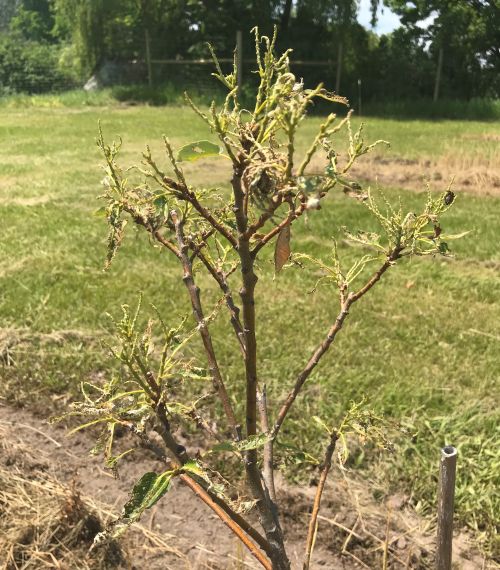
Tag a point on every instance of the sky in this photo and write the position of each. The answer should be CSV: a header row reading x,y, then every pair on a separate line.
x,y
387,20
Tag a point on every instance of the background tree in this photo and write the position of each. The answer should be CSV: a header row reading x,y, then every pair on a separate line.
x,y
455,55
463,39
7,10
33,21
84,23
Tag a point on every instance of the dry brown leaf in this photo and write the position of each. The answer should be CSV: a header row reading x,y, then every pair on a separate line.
x,y
282,251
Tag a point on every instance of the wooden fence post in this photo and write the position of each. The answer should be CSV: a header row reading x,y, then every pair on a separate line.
x,y
239,59
446,497
437,82
359,98
148,58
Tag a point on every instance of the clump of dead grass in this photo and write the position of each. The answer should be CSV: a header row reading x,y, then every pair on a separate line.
x,y
47,525
11,338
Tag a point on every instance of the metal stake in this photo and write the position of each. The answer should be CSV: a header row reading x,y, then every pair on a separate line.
x,y
446,497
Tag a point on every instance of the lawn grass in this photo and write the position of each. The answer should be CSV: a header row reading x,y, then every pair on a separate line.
x,y
172,93
422,348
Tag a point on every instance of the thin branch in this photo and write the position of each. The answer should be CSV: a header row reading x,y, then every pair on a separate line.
x,y
310,366
194,294
234,310
228,521
232,519
223,136
142,221
202,423
313,523
170,153
181,191
179,457
265,216
316,142
268,469
391,258
191,197
293,214
330,337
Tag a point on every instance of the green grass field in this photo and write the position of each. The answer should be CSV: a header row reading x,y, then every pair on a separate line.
x,y
423,348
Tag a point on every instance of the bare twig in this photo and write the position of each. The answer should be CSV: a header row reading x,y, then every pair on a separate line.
x,y
313,523
265,216
309,367
142,221
293,214
234,310
194,294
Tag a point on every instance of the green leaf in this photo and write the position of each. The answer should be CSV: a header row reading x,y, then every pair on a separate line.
x,y
309,184
443,248
146,493
161,206
100,212
198,149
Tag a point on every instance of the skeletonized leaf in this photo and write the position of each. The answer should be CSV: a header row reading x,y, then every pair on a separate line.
x,y
192,466
224,446
161,206
297,456
282,251
115,232
310,184
449,237
251,442
333,97
198,149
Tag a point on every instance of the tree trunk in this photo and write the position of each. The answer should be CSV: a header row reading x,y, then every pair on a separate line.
x,y
285,17
267,513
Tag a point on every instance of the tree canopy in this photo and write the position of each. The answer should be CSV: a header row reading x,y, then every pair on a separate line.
x,y
453,42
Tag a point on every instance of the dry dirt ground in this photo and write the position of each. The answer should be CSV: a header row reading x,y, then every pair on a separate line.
x,y
54,497
474,174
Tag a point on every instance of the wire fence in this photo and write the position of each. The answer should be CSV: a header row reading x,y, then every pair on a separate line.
x,y
152,72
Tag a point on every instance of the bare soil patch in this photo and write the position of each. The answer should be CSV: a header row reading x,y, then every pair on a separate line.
x,y
471,175
55,498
